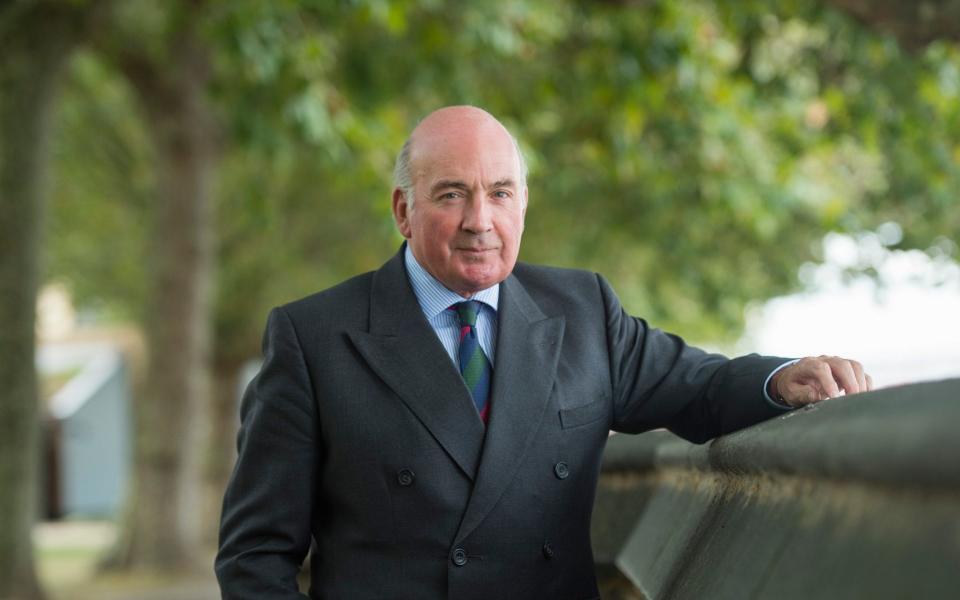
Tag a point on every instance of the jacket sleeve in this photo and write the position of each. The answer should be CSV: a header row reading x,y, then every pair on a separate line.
x,y
265,527
660,381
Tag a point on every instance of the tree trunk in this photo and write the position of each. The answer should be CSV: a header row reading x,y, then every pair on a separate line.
x,y
35,42
163,527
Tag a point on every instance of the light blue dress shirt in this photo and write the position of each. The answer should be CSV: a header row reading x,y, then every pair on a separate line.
x,y
435,300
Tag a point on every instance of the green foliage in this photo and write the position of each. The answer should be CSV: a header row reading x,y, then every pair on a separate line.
x,y
693,152
102,194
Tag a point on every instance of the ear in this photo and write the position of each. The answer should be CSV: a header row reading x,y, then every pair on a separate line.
x,y
401,212
523,214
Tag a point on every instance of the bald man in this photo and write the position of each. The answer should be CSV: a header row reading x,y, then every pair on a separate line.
x,y
435,428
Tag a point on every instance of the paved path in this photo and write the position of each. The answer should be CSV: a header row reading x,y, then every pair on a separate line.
x,y
193,590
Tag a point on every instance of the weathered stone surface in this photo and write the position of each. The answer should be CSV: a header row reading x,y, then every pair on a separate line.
x,y
855,498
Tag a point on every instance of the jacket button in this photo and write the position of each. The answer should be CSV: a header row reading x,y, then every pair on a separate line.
x,y
561,470
459,557
405,477
548,550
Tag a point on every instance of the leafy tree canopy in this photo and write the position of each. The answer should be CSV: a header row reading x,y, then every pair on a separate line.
x,y
693,152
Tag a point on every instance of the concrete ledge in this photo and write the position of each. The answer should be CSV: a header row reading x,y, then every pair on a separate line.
x,y
854,498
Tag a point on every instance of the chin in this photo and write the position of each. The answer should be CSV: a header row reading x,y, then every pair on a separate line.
x,y
477,282
480,275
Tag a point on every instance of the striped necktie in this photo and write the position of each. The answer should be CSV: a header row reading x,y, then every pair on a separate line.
x,y
474,365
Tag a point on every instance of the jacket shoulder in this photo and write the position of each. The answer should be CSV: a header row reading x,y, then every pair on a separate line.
x,y
347,302
546,276
560,287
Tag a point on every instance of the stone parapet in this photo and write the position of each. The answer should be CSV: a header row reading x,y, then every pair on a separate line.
x,y
854,497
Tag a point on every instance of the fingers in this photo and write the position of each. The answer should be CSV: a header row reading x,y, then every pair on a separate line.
x,y
861,376
817,378
844,374
827,377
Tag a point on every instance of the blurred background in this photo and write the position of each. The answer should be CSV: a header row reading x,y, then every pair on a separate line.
x,y
777,176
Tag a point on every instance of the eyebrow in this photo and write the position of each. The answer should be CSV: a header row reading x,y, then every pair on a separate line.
x,y
460,185
448,183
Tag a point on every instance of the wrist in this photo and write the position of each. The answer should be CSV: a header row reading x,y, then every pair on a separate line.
x,y
773,388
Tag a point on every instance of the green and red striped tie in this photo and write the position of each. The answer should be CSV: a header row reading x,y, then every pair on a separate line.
x,y
474,365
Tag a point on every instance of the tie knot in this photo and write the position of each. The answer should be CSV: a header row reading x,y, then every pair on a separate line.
x,y
467,312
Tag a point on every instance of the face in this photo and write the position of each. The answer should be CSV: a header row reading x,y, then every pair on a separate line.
x,y
465,223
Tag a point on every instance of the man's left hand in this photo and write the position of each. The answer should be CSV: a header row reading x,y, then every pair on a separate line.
x,y
813,379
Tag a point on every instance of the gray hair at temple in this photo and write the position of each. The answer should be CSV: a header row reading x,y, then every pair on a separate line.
x,y
403,178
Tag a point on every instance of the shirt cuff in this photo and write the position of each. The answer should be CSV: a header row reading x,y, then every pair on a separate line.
x,y
766,385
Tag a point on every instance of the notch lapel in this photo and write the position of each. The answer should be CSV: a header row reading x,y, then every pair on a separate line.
x,y
528,347
403,350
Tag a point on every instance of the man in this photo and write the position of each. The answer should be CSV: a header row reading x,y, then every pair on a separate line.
x,y
435,449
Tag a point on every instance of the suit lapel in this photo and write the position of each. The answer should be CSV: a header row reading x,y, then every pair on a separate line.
x,y
528,346
404,351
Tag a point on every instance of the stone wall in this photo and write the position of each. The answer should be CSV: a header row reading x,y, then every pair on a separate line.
x,y
854,497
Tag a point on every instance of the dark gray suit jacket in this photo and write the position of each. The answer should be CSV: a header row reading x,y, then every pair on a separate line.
x,y
359,434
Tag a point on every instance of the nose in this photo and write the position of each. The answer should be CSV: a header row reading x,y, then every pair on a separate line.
x,y
476,215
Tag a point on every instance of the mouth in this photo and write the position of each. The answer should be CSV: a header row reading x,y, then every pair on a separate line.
x,y
476,250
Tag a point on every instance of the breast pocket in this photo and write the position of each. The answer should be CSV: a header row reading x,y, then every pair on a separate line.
x,y
579,416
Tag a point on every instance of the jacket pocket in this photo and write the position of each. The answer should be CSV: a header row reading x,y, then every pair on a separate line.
x,y
584,415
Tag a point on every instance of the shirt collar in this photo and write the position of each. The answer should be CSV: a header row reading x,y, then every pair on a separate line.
x,y
433,296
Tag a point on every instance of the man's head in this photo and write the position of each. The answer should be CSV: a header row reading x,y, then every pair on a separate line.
x,y
460,198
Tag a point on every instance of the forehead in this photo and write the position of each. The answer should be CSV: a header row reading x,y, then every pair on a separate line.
x,y
485,152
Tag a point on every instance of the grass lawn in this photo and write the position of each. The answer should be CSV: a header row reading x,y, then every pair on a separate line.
x,y
67,554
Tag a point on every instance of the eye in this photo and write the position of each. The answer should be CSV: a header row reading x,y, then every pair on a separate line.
x,y
449,195
501,194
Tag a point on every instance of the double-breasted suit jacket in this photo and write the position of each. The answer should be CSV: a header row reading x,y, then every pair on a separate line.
x,y
359,435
